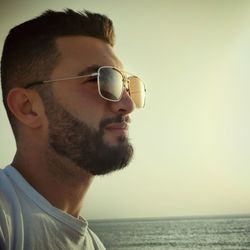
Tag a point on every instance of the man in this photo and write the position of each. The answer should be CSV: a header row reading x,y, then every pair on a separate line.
x,y
68,101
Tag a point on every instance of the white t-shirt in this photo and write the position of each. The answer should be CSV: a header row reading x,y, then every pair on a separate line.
x,y
28,221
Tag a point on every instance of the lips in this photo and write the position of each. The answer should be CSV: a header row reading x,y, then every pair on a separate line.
x,y
117,126
117,129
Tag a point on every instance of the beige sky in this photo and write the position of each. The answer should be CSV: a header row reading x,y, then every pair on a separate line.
x,y
192,140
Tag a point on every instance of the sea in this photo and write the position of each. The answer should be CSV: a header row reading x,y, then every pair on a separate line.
x,y
175,233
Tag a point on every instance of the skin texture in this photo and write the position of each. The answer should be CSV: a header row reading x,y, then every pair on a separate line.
x,y
47,171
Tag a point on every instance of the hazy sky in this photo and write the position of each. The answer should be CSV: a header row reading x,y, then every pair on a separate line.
x,y
192,140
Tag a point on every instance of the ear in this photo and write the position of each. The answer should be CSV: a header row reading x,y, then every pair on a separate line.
x,y
25,106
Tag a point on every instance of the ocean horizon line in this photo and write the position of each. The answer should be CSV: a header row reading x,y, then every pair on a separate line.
x,y
176,217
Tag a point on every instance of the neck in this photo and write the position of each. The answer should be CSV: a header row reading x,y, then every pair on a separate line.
x,y
64,185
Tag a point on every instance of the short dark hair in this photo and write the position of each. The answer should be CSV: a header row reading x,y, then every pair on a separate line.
x,y
30,52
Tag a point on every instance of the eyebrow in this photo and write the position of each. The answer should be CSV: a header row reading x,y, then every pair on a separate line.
x,y
90,69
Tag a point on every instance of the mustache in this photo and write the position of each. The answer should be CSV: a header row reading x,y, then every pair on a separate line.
x,y
117,119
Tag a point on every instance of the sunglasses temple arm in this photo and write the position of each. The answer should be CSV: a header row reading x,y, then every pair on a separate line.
x,y
33,84
71,78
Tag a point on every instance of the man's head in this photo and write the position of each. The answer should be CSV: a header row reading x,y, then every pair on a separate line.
x,y
30,51
75,121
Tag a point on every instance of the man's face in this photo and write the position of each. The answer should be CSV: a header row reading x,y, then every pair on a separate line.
x,y
82,126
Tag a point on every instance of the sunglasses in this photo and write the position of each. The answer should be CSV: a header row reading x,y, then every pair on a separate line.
x,y
112,83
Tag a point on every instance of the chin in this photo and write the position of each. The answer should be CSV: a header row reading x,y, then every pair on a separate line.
x,y
114,140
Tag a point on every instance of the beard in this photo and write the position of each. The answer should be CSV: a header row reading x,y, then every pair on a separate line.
x,y
84,146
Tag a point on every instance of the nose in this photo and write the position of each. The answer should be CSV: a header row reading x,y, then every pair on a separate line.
x,y
125,105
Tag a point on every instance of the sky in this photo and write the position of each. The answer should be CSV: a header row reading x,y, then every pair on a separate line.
x,y
192,139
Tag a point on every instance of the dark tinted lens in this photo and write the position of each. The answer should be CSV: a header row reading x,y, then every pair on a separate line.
x,y
110,83
137,91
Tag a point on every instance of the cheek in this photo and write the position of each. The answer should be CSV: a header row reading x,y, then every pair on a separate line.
x,y
83,102
86,106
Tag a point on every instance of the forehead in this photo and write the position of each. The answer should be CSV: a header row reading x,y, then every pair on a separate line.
x,y
79,52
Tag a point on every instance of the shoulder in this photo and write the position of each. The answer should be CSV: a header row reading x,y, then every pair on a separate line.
x,y
9,197
7,189
7,192
7,206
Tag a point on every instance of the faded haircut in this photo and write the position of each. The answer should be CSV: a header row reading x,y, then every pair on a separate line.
x,y
30,52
